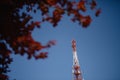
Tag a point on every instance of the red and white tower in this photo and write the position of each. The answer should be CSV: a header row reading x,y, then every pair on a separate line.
x,y
77,75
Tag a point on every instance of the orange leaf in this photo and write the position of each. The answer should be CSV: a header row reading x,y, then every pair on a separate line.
x,y
81,6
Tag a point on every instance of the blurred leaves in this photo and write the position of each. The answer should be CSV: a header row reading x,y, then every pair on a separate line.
x,y
16,29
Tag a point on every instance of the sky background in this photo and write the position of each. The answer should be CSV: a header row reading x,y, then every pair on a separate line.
x,y
98,49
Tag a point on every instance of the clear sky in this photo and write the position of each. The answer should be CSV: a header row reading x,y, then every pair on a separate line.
x,y
98,49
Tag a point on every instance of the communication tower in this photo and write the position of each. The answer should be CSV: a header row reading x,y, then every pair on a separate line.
x,y
77,75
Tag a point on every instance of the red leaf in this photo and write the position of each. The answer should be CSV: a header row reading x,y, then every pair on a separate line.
x,y
81,6
85,21
51,2
42,55
37,23
93,4
98,12
50,43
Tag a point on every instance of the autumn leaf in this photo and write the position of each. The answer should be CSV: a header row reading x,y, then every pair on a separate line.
x,y
50,43
93,4
43,8
51,2
42,55
81,5
98,12
85,21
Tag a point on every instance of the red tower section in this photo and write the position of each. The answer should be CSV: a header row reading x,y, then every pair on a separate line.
x,y
76,67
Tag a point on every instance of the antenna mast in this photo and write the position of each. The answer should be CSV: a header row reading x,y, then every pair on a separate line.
x,y
77,75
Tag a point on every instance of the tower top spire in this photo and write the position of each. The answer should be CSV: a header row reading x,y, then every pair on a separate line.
x,y
74,45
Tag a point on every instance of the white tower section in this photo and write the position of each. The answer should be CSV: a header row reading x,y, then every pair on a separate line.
x,y
76,67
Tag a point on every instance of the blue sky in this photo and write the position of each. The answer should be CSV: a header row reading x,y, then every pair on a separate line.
x,y
98,49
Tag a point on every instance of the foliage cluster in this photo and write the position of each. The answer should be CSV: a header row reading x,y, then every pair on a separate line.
x,y
16,29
